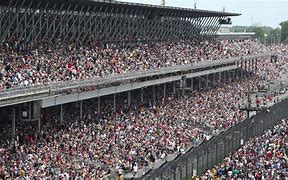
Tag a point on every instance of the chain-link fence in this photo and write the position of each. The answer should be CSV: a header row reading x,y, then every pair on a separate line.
x,y
197,160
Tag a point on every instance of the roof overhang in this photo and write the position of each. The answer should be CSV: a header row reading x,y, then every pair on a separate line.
x,y
100,4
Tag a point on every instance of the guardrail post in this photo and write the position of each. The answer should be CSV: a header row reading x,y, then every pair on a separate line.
x,y
261,127
188,168
236,140
199,164
209,157
194,165
214,154
220,152
204,161
180,173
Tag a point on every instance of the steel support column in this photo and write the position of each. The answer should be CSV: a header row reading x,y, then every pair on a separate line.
x,y
192,84
30,111
39,124
154,95
13,122
207,81
81,109
129,98
164,90
199,82
114,102
98,104
142,95
61,113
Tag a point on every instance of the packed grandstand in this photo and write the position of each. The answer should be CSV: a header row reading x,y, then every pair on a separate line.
x,y
41,63
110,142
131,137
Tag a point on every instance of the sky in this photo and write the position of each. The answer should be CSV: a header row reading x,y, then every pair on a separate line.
x,y
260,12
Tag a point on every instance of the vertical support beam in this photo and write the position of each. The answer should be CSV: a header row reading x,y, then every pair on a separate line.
x,y
207,81
252,67
256,66
39,124
114,102
224,76
30,111
98,104
219,77
229,75
199,82
241,70
13,122
61,113
142,94
237,71
154,95
174,88
245,66
81,109
164,90
249,68
129,98
183,81
192,84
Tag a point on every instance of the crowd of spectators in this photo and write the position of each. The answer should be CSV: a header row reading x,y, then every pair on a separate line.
x,y
128,139
263,157
44,63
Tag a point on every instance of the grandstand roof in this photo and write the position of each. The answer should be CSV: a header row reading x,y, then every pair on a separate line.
x,y
111,5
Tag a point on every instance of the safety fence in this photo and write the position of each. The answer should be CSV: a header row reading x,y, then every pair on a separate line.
x,y
209,153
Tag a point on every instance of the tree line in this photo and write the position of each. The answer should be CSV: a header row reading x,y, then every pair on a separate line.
x,y
266,34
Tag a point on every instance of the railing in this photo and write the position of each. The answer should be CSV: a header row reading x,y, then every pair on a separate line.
x,y
61,86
